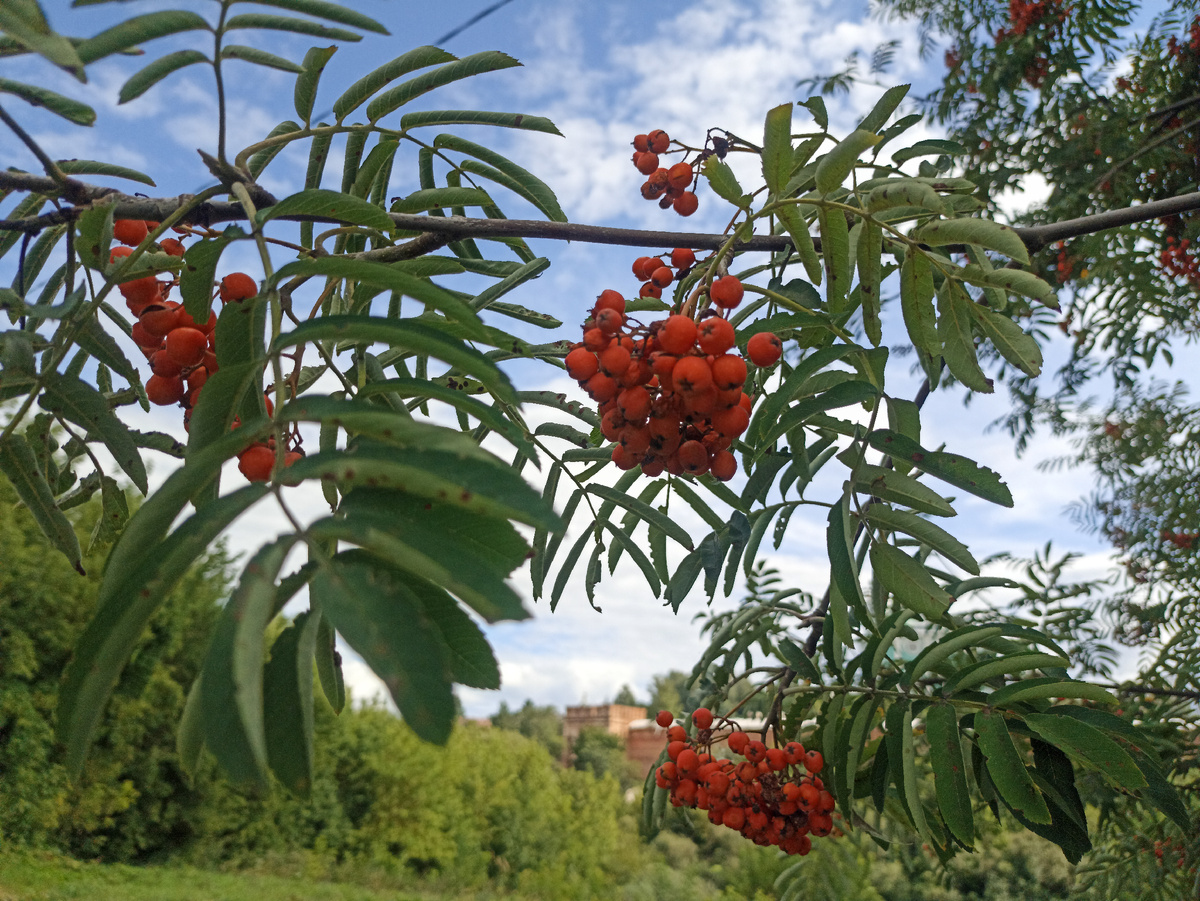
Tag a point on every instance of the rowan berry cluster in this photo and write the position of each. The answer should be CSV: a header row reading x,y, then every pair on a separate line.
x,y
670,187
772,797
181,351
1178,260
1026,14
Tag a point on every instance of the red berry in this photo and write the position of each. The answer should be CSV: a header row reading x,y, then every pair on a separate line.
x,y
686,203
727,291
238,286
165,391
582,364
662,276
679,176
764,349
683,258
646,163
256,462
130,231
658,141
664,718
703,718
186,346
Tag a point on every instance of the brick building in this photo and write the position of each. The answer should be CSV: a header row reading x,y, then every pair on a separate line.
x,y
644,738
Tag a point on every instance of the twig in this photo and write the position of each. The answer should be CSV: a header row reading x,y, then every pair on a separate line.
x,y
48,164
455,228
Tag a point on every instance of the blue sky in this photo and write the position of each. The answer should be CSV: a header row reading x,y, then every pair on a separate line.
x,y
603,72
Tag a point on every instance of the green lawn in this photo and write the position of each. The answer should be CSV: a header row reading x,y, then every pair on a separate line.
x,y
32,876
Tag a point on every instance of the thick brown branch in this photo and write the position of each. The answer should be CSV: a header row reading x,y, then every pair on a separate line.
x,y
455,228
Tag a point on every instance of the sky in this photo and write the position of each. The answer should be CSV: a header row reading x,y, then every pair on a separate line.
x,y
602,72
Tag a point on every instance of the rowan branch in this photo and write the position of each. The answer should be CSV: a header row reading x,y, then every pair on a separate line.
x,y
457,228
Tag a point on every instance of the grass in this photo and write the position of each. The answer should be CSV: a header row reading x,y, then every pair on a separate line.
x,y
41,876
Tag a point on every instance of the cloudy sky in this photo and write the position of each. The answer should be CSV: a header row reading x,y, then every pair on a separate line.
x,y
602,72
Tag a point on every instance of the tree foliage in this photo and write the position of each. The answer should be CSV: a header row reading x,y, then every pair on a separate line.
x,y
927,715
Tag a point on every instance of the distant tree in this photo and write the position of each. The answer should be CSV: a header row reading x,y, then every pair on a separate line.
x,y
542,724
601,753
667,691
625,696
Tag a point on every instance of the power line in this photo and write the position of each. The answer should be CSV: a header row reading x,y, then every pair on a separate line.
x,y
455,32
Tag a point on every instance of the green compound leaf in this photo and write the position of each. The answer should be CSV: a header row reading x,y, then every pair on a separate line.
x,y
475,117
976,674
909,581
395,279
1052,687
383,619
95,167
288,703
923,530
949,772
723,182
1016,346
471,660
198,274
26,24
71,110
259,58
269,22
329,667
916,302
1089,744
231,702
958,341
884,107
891,486
19,464
305,93
1007,769
144,79
950,468
777,148
366,87
475,64
838,163
329,204
79,402
512,176
137,579
334,12
990,235
797,229
139,30
406,335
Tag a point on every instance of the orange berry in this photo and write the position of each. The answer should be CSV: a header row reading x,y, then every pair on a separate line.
x,y
256,462
601,387
674,749
130,231
686,203
118,252
682,258
737,741
679,176
614,360
677,733
688,762
164,391
638,271
650,290
161,364
756,751
692,375
731,422
734,818
693,457
186,346
727,292
723,465
140,293
764,349
664,718
641,143
609,321
159,319
609,300
172,246
582,364
677,334
715,336
662,276
658,140
814,761
729,372
646,163
238,286
702,717
776,759
795,754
